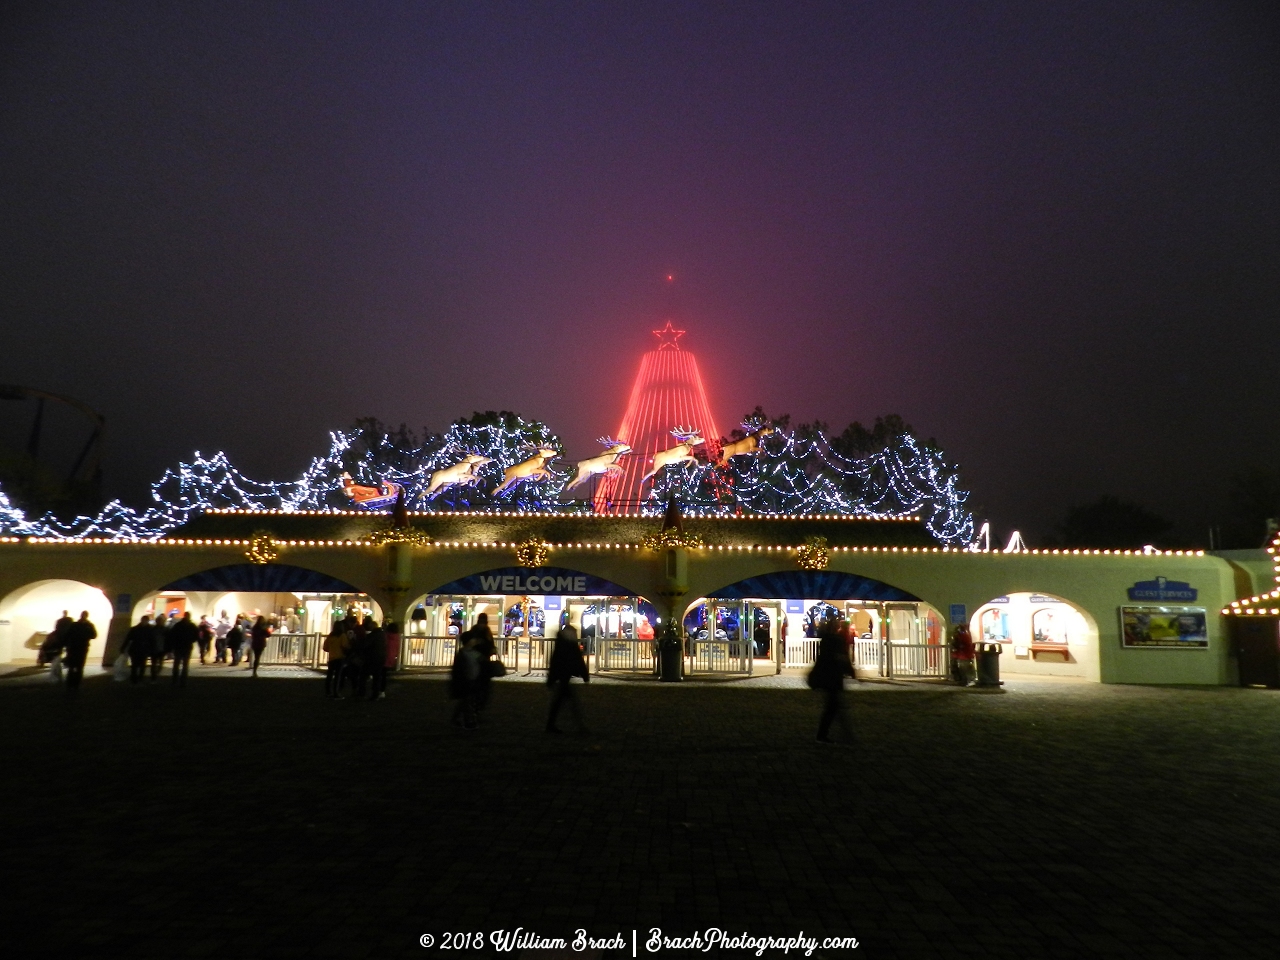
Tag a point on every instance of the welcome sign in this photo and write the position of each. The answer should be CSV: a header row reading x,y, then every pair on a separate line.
x,y
536,581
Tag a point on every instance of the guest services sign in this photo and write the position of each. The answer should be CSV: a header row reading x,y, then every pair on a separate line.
x,y
1161,589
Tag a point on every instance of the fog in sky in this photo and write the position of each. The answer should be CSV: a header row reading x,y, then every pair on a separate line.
x,y
1045,234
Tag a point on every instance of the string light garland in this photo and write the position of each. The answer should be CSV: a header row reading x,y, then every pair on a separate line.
x,y
410,535
672,537
789,476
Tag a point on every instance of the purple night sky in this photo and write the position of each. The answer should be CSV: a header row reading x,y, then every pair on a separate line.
x,y
1046,234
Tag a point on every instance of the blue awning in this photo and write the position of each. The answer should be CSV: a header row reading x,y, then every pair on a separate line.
x,y
262,578
812,585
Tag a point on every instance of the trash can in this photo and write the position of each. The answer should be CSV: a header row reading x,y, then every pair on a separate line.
x,y
989,664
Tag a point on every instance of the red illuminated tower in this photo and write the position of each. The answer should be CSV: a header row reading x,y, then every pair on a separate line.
x,y
668,394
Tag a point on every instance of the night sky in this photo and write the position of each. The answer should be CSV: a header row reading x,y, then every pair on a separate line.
x,y
1045,233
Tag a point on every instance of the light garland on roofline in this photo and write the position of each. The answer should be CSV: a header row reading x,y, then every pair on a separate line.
x,y
1265,604
580,545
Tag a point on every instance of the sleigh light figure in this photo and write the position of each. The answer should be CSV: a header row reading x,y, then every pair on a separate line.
x,y
371,498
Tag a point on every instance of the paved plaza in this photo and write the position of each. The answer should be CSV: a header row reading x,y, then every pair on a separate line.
x,y
254,818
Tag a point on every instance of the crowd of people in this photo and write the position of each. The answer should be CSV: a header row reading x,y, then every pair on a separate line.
x,y
361,652
150,642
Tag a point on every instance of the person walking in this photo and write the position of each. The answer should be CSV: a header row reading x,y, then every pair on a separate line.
x,y
462,681
77,638
183,635
137,643
335,645
828,673
376,661
258,642
205,629
486,651
566,663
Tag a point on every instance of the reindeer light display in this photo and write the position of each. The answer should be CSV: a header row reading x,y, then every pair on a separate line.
x,y
461,473
605,464
748,444
681,453
535,468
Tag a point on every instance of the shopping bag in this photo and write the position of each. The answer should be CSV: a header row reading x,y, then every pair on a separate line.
x,y
120,669
55,671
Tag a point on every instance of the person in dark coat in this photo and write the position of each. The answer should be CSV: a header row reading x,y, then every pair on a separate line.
x,y
159,644
375,661
486,650
205,629
235,641
335,645
77,638
566,663
462,680
829,670
137,644
258,641
183,635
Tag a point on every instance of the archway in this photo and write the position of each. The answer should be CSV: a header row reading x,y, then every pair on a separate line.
x,y
27,616
299,604
1040,634
525,608
772,620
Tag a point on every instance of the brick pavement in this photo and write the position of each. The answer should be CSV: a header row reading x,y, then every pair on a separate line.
x,y
253,818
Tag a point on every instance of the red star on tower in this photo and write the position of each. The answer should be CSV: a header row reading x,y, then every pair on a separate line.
x,y
668,337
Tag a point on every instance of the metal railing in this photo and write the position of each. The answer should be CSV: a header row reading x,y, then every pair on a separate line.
x,y
296,649
621,655
868,654
918,660
527,653
887,659
427,651
722,656
802,652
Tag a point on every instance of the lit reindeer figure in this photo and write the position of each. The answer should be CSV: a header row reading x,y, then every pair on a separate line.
x,y
461,473
748,444
535,468
606,463
682,452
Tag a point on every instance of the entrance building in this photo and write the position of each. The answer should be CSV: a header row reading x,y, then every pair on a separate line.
x,y
742,592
